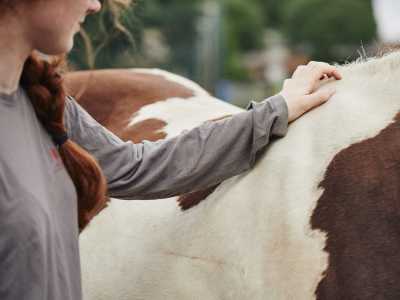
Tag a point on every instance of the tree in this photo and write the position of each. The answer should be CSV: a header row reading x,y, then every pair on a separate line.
x,y
177,20
273,11
329,30
243,31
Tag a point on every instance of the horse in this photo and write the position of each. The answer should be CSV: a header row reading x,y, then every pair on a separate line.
x,y
318,217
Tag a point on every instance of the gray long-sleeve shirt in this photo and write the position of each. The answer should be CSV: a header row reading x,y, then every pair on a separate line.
x,y
39,253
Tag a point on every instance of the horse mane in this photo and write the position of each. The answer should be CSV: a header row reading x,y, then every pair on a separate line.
x,y
382,64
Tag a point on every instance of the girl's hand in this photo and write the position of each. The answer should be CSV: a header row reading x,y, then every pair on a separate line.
x,y
300,91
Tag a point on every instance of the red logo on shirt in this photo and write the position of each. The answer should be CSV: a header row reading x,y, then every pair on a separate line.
x,y
56,158
54,154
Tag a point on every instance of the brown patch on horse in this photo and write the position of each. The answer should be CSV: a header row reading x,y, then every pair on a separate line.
x,y
359,211
192,199
112,97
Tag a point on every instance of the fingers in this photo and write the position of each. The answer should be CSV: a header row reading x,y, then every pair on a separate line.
x,y
301,91
316,71
321,69
309,102
306,103
318,98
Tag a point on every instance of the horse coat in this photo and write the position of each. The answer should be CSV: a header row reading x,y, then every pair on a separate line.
x,y
316,218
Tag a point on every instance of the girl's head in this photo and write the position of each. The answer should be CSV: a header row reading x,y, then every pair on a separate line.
x,y
48,25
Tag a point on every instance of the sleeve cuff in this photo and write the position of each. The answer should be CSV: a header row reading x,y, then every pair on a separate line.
x,y
278,105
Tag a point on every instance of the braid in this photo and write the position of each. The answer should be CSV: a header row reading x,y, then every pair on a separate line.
x,y
44,86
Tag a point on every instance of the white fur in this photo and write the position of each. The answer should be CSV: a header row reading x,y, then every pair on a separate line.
x,y
180,114
251,239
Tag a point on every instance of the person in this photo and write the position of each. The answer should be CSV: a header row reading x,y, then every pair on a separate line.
x,y
58,166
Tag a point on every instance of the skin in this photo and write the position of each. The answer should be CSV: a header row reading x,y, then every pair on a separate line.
x,y
50,25
300,91
47,26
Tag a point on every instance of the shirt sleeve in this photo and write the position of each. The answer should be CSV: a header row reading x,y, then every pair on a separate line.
x,y
191,161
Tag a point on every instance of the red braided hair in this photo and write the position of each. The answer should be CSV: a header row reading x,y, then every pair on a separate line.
x,y
44,86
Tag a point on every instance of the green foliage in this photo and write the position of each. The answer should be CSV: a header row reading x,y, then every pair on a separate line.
x,y
329,30
243,31
176,19
244,23
273,11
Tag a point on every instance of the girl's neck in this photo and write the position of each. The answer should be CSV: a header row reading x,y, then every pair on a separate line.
x,y
14,50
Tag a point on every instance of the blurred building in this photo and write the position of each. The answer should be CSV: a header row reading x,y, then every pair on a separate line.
x,y
387,15
158,49
208,45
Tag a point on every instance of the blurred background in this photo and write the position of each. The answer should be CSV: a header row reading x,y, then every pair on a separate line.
x,y
239,50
